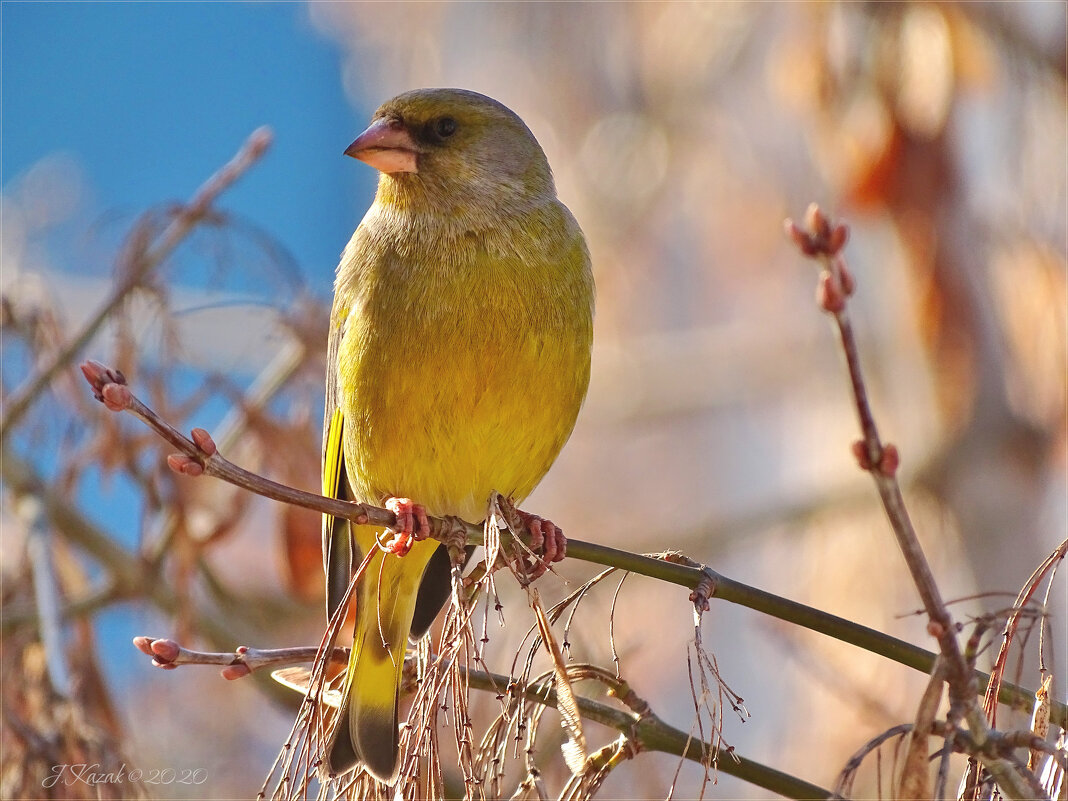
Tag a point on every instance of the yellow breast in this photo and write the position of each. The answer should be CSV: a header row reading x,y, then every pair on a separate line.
x,y
461,373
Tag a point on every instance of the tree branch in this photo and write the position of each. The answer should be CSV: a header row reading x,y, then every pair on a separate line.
x,y
111,388
647,730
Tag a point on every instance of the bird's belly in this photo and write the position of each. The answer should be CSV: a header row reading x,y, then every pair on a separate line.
x,y
445,427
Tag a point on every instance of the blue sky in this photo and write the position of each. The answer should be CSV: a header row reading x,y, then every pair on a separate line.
x,y
151,97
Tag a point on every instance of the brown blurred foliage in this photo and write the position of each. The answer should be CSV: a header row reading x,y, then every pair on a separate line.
x,y
191,555
681,134
61,736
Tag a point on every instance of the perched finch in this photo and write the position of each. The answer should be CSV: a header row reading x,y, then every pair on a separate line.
x,y
459,356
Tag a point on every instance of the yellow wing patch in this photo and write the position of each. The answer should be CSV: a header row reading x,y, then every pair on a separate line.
x,y
337,546
333,457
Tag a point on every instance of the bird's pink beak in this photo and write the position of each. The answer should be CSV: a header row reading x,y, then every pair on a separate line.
x,y
387,146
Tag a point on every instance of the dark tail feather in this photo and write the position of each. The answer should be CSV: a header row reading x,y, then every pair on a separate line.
x,y
341,755
379,744
434,590
369,739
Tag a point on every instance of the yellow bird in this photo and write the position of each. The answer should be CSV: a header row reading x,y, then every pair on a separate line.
x,y
459,356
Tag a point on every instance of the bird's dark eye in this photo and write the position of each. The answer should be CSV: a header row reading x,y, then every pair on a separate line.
x,y
444,127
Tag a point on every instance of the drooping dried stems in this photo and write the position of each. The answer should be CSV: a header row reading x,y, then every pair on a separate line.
x,y
638,722
1019,607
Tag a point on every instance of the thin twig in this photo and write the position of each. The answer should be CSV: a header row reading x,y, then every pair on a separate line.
x,y
844,785
168,654
822,241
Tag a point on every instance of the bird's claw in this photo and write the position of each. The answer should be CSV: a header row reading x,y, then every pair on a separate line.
x,y
546,537
412,525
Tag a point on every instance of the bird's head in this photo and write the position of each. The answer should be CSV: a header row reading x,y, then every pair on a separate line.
x,y
454,149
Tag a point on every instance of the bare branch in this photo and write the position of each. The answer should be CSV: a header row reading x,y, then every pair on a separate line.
x,y
243,661
823,241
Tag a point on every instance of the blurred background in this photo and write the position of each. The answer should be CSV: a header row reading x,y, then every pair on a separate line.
x,y
718,421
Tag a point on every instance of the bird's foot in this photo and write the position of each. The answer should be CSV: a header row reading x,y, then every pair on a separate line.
x,y
412,525
546,539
